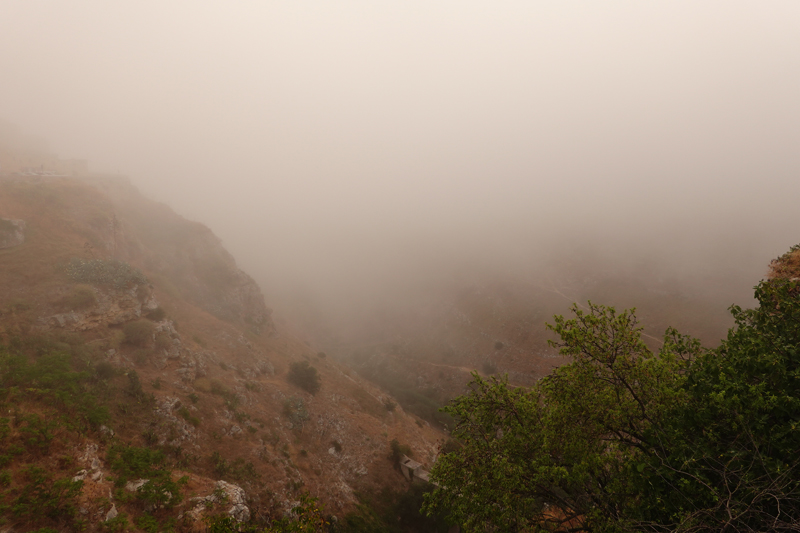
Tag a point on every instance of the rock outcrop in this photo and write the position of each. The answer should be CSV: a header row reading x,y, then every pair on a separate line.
x,y
112,307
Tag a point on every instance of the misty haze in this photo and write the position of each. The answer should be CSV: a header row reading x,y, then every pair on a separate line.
x,y
415,188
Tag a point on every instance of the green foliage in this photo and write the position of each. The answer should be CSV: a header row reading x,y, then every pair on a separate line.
x,y
236,470
567,442
118,274
130,462
51,380
43,496
105,370
219,464
139,332
135,386
306,517
150,524
184,413
397,451
37,433
305,376
294,409
392,512
116,524
622,439
732,447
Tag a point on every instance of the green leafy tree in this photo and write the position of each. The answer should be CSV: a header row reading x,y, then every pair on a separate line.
x,y
558,456
622,439
732,462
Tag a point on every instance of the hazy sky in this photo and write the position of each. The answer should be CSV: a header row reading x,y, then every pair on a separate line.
x,y
347,143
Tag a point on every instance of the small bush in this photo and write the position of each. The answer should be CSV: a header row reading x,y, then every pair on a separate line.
x,y
118,274
163,341
158,314
218,388
202,384
194,397
295,410
188,416
397,451
116,339
105,370
138,332
79,297
499,345
489,368
304,376
336,446
141,356
321,355
135,385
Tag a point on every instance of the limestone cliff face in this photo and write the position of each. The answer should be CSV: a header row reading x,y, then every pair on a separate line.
x,y
186,254
207,275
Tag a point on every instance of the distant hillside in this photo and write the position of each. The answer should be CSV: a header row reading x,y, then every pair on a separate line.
x,y
132,347
425,356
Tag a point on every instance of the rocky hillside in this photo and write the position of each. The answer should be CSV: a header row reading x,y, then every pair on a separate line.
x,y
142,370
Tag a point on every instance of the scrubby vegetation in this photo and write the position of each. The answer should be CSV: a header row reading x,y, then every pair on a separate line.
x,y
139,332
397,451
48,401
391,511
294,409
117,274
130,463
305,376
425,403
157,314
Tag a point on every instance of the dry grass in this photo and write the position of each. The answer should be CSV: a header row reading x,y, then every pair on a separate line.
x,y
786,266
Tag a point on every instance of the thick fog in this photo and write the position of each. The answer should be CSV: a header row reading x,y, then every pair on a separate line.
x,y
352,152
